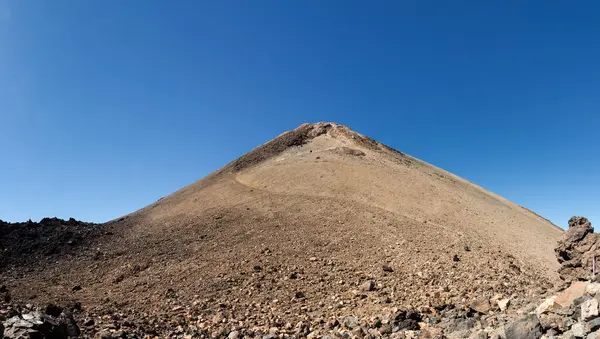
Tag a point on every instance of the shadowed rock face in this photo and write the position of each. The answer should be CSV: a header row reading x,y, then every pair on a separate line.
x,y
576,251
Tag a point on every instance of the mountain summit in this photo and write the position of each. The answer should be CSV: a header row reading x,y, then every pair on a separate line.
x,y
319,221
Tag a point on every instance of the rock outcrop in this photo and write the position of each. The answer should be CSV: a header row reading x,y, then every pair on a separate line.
x,y
53,323
577,251
32,242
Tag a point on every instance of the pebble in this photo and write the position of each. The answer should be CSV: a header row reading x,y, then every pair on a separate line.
x,y
368,285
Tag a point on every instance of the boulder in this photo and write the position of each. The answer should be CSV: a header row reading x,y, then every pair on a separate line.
x,y
578,330
592,325
567,297
592,288
38,325
351,322
555,322
546,306
481,305
589,309
526,327
503,304
577,249
368,286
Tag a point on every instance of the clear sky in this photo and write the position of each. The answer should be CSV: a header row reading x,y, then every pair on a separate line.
x,y
106,106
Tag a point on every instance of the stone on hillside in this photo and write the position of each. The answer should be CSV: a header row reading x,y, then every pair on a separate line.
x,y
481,305
553,321
497,333
593,335
592,288
385,329
579,228
526,327
566,335
545,306
368,285
503,304
589,309
387,268
351,322
566,298
592,325
40,325
406,320
480,334
578,330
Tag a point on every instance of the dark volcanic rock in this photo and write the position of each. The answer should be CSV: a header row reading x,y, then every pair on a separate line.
x,y
527,327
38,325
26,242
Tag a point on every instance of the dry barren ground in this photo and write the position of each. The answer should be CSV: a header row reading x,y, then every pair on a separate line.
x,y
318,224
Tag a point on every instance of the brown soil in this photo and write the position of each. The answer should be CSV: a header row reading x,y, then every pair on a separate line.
x,y
290,232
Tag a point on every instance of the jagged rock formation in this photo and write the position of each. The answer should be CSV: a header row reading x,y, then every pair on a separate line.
x,y
577,250
51,322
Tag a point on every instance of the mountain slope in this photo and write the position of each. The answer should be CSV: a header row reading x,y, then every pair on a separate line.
x,y
294,229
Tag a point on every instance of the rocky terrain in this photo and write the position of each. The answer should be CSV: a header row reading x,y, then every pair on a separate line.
x,y
570,311
319,232
25,243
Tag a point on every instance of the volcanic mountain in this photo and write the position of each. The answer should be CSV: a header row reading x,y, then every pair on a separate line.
x,y
319,221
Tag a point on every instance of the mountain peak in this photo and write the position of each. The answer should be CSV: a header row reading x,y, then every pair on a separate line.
x,y
300,136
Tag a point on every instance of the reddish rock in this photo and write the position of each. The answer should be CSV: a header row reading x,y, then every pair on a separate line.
x,y
566,297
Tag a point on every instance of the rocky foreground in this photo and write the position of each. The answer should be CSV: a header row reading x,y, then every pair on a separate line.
x,y
567,311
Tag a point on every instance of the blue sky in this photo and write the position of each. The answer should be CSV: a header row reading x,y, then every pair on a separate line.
x,y
106,106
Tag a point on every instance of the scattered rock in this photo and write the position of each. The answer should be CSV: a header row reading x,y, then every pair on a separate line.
x,y
555,322
546,306
568,296
351,322
38,325
368,286
578,330
406,320
592,325
385,329
387,268
592,288
589,309
481,305
527,327
53,310
171,294
503,304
